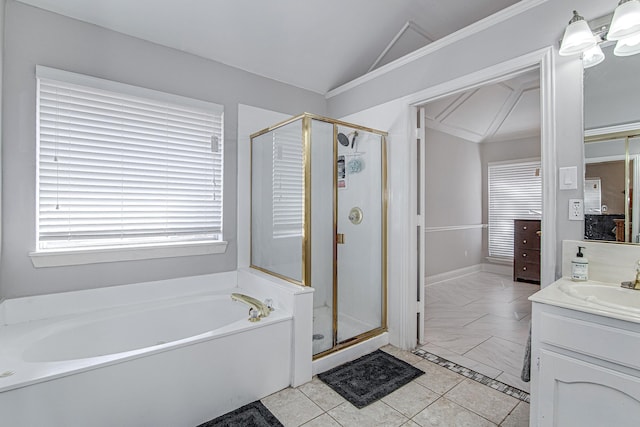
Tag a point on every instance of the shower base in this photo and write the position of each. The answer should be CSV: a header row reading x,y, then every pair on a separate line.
x,y
322,326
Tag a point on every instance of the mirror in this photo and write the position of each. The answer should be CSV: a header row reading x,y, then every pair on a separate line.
x,y
612,149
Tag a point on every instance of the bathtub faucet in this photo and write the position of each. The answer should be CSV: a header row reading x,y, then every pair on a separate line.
x,y
257,309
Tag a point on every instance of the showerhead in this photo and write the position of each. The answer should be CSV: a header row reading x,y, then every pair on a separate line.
x,y
353,140
343,139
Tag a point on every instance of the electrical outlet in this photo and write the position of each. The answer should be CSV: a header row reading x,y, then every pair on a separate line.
x,y
576,210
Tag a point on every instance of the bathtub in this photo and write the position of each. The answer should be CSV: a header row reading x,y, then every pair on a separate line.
x,y
166,361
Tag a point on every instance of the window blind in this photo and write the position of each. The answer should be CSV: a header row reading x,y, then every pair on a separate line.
x,y
288,182
515,192
122,169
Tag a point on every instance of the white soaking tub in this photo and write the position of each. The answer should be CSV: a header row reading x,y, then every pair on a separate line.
x,y
175,361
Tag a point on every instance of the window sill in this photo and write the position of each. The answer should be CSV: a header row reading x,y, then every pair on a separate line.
x,y
57,258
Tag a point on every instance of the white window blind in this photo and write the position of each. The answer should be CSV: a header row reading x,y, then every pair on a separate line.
x,y
515,192
288,182
120,165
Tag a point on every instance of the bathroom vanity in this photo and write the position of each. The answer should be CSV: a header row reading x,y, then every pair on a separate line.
x,y
585,356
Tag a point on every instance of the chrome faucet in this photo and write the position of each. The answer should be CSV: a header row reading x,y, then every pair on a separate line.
x,y
635,284
257,309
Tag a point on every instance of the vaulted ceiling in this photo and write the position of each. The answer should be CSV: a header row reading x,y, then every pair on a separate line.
x,y
313,44
502,111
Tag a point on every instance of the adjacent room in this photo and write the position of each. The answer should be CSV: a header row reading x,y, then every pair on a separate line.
x,y
477,313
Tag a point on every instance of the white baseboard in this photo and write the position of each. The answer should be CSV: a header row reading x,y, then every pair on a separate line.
x,y
453,274
505,270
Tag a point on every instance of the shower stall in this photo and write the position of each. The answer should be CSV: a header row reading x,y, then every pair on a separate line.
x,y
318,218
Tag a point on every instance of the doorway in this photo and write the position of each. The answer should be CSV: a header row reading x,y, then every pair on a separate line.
x,y
475,314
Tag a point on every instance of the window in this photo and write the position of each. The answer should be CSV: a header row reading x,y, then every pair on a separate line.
x,y
515,192
288,182
121,166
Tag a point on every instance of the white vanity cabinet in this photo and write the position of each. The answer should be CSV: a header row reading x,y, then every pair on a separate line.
x,y
585,368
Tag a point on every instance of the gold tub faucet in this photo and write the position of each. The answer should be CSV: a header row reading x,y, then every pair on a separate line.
x,y
635,284
257,309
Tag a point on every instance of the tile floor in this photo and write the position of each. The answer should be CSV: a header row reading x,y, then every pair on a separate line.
x,y
481,322
438,398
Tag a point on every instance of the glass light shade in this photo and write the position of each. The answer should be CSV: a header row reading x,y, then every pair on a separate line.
x,y
627,46
626,20
577,38
592,57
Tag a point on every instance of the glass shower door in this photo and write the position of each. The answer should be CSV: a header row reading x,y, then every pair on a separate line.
x,y
360,219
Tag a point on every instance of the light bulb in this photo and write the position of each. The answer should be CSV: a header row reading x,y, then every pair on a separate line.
x,y
577,37
592,57
626,20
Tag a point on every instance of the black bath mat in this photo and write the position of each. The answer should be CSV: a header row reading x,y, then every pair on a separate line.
x,y
369,378
252,415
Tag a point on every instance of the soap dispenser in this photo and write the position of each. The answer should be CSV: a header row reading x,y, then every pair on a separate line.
x,y
579,267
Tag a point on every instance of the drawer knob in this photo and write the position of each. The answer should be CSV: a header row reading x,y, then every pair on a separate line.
x,y
524,242
524,268
524,227
524,255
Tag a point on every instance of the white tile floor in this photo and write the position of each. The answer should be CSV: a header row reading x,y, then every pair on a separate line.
x,y
438,398
480,321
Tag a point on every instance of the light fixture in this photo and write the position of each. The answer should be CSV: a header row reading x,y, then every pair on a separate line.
x,y
577,37
626,20
592,57
623,26
627,46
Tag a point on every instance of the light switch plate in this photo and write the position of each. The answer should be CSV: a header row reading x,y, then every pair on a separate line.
x,y
568,178
576,210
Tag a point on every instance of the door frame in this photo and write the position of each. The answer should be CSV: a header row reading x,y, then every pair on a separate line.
x,y
543,60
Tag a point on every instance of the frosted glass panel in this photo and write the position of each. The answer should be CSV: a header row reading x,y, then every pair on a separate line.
x,y
277,201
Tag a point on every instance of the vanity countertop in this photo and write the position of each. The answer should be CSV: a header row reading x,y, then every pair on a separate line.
x,y
600,298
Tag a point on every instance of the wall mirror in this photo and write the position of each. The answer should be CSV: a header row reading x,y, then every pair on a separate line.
x,y
612,149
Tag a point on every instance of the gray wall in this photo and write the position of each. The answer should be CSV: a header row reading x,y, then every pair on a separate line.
x,y
34,36
611,91
453,199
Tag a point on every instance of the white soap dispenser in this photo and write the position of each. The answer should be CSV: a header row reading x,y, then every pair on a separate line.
x,y
579,267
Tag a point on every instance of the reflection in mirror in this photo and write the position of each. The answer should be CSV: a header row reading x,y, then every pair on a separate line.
x,y
604,190
612,148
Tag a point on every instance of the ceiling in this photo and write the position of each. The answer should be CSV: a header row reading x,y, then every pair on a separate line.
x,y
506,110
313,44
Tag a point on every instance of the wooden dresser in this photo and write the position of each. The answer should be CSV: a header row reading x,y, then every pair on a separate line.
x,y
526,250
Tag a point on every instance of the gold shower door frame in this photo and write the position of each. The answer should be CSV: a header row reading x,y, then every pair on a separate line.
x,y
306,229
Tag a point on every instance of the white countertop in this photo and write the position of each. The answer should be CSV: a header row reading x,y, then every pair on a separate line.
x,y
554,295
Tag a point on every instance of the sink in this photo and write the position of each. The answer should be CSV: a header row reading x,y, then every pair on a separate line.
x,y
604,295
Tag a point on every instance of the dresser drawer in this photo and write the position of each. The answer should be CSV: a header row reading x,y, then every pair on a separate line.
x,y
526,271
526,234
530,256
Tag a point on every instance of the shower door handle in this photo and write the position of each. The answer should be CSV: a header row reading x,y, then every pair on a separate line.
x,y
340,239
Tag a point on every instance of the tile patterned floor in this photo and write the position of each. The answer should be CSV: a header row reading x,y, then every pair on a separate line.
x,y
480,321
438,398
